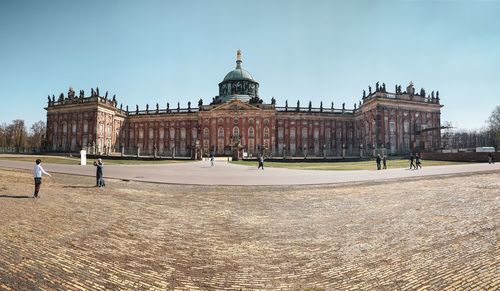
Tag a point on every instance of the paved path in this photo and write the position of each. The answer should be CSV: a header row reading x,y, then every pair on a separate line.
x,y
223,173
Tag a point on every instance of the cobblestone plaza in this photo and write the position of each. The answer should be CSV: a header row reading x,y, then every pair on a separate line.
x,y
426,233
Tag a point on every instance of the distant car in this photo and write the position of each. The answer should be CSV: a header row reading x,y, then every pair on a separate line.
x,y
485,150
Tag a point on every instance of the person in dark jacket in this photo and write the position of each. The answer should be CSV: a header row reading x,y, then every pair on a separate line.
x,y
378,162
99,173
418,162
412,158
384,162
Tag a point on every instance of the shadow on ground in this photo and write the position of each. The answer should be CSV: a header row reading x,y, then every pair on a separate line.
x,y
15,196
78,186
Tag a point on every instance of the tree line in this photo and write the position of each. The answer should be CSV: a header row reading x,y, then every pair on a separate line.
x,y
488,136
14,137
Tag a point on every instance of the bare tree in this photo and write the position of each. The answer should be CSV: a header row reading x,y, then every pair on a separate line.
x,y
494,126
36,135
3,135
18,134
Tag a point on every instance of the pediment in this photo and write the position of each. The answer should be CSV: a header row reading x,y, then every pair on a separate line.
x,y
235,105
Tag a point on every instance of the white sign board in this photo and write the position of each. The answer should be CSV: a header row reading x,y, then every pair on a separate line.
x,y
83,157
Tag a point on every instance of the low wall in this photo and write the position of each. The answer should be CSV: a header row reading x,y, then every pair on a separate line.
x,y
458,157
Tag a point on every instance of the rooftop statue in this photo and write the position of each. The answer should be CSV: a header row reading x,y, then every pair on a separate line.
x,y
157,107
71,93
200,102
369,90
377,87
364,94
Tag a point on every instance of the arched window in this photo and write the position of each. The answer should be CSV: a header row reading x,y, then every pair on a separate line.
x,y
250,132
266,132
220,134
236,131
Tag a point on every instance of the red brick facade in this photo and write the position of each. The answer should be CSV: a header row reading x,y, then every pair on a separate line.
x,y
384,120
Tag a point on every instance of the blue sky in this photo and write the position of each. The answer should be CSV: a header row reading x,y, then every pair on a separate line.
x,y
170,51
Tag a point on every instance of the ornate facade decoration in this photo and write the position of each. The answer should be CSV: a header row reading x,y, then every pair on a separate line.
x,y
397,122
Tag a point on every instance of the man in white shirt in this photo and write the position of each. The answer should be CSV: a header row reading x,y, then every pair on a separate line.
x,y
37,174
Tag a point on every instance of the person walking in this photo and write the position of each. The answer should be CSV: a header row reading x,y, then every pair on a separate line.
x,y
261,162
490,158
212,158
378,162
99,173
384,162
37,174
418,163
412,158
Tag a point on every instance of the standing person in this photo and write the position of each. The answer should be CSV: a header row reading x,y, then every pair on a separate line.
x,y
412,165
99,173
490,158
378,162
212,158
261,162
37,174
384,162
418,163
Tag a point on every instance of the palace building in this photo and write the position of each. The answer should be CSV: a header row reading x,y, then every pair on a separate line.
x,y
238,120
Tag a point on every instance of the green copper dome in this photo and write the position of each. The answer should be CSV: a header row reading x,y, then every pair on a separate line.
x,y
238,84
238,75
